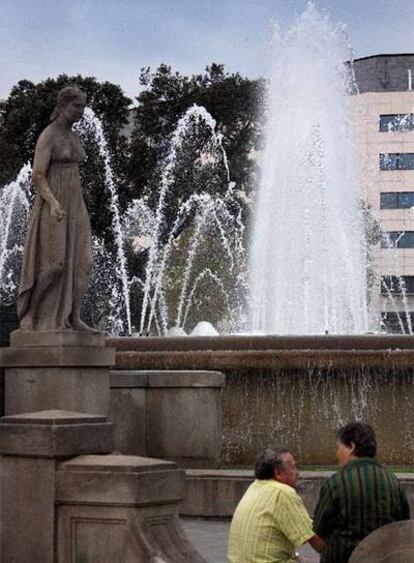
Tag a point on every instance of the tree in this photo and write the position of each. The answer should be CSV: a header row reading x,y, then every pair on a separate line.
x,y
233,101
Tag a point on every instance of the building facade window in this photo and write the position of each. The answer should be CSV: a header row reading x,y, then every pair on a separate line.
x,y
397,285
397,323
396,161
396,122
398,239
396,200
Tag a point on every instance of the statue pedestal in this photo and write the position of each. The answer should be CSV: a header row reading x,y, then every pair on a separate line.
x,y
65,498
67,370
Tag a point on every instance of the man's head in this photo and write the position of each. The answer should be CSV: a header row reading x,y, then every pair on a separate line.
x,y
354,440
277,464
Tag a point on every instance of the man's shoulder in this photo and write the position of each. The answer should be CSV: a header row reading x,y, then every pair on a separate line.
x,y
276,487
286,492
348,471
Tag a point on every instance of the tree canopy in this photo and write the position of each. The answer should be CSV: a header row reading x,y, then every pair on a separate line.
x,y
233,101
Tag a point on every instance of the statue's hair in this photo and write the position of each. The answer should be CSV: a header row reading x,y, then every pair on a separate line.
x,y
64,97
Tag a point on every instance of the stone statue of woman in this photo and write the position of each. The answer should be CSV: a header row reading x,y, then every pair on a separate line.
x,y
57,257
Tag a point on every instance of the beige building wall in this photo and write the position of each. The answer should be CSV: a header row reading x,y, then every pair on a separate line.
x,y
367,108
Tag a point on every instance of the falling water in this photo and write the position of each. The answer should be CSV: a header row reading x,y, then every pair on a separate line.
x,y
209,212
14,206
120,314
308,272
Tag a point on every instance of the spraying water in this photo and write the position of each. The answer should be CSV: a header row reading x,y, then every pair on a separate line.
x,y
120,316
14,205
209,214
307,263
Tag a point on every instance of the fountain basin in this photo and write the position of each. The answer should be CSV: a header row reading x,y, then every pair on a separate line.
x,y
294,391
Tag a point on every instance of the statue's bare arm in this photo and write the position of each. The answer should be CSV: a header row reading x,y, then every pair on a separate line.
x,y
43,153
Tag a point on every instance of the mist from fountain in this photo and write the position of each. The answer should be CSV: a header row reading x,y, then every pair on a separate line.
x,y
308,253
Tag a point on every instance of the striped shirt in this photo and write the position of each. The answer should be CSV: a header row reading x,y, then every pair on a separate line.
x,y
268,524
359,498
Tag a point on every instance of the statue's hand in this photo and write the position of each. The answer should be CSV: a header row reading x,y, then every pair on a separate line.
x,y
56,211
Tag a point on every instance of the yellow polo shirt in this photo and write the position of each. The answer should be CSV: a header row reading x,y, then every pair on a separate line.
x,y
269,523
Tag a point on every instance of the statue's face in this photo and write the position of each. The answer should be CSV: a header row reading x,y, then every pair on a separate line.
x,y
73,111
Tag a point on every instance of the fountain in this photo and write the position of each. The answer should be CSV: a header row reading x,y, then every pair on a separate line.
x,y
313,368
119,315
210,215
14,203
308,196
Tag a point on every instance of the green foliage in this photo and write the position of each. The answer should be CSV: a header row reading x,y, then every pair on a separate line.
x,y
232,100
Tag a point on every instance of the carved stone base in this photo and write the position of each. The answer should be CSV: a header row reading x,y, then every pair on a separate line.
x,y
56,338
113,505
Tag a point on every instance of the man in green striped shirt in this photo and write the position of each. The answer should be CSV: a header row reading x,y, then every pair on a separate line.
x,y
271,521
361,497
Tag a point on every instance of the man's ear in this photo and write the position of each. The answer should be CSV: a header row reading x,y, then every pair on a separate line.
x,y
353,447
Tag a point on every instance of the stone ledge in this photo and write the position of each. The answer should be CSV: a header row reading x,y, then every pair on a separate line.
x,y
216,493
56,338
263,342
120,480
118,463
55,434
218,360
61,356
53,417
171,378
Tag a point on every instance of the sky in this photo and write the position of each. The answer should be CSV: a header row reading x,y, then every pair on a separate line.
x,y
113,39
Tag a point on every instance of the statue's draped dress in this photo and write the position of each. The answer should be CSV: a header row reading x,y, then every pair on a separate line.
x,y
57,257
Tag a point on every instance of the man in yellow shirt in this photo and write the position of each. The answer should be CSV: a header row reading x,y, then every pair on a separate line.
x,y
271,521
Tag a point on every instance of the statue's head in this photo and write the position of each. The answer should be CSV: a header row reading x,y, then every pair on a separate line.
x,y
67,97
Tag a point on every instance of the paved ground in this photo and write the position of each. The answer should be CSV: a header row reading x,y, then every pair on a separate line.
x,y
210,538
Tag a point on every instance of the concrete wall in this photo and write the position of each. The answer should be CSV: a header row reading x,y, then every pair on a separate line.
x,y
168,414
216,493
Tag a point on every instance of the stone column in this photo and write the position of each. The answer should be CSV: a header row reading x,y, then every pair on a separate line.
x,y
31,446
67,370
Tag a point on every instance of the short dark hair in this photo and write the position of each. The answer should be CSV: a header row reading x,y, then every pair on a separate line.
x,y
360,434
269,461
